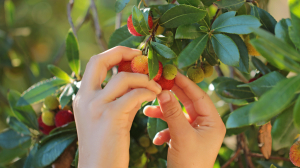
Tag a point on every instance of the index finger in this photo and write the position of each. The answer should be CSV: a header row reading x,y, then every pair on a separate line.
x,y
98,65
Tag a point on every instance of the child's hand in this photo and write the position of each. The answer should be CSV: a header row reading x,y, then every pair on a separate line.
x,y
194,138
103,121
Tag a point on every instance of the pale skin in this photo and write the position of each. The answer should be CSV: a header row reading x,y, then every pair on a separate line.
x,y
103,122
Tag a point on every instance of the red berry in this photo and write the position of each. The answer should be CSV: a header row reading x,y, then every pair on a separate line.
x,y
131,28
160,70
63,117
166,84
295,153
125,66
45,128
252,79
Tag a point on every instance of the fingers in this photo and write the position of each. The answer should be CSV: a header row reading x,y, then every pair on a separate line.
x,y
153,111
173,115
123,81
162,137
98,65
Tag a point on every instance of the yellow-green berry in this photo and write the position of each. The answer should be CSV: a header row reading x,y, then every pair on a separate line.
x,y
169,72
195,74
51,102
144,141
152,149
48,118
207,69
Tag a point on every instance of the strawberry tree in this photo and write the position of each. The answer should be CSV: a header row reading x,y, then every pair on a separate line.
x,y
191,36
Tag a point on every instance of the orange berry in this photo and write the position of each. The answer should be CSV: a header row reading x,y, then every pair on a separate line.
x,y
139,64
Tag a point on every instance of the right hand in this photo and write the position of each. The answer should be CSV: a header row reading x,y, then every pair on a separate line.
x,y
194,138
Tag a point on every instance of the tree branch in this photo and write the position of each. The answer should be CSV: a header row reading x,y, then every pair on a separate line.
x,y
237,153
69,10
246,151
258,155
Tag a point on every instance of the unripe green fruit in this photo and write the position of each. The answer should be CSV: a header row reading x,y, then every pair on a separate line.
x,y
195,74
169,72
144,141
48,118
51,102
151,149
44,108
207,69
160,30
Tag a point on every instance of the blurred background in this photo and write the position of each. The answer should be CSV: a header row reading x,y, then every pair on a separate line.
x,y
37,37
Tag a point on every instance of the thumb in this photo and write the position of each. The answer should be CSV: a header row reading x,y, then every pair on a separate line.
x,y
173,115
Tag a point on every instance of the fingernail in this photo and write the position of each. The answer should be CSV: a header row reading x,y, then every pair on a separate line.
x,y
156,136
164,97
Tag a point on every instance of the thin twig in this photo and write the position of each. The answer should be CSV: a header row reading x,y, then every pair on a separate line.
x,y
237,153
214,18
145,4
69,10
258,155
219,71
140,4
246,151
102,43
240,76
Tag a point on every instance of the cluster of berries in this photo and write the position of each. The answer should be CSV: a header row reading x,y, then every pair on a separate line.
x,y
145,142
53,116
198,73
139,64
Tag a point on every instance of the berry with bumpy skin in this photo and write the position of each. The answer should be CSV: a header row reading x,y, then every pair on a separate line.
x,y
152,149
195,74
131,28
48,118
295,154
144,141
44,128
251,50
139,64
51,102
159,30
169,72
63,117
125,66
207,69
166,84
159,73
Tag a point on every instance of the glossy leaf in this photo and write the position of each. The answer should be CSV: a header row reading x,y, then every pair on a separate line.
x,y
120,5
154,126
72,51
264,83
122,37
192,52
10,139
210,55
233,131
76,158
240,117
139,22
284,130
275,101
294,36
230,5
226,49
18,126
237,25
67,94
195,3
295,17
25,114
190,31
296,115
268,22
167,39
162,163
152,63
222,18
29,160
39,91
260,66
52,149
7,155
71,126
244,56
163,50
59,73
208,2
180,15
9,9
159,10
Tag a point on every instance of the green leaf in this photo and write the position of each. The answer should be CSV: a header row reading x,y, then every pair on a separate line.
x,y
210,55
267,20
29,160
155,125
296,115
222,18
260,66
59,73
122,37
295,17
272,166
192,52
275,101
159,10
120,5
76,158
190,31
8,155
294,36
226,49
244,56
18,126
9,9
180,15
284,130
52,149
139,22
25,114
275,56
278,45
267,164
208,2
10,139
163,50
239,117
71,126
72,51
162,163
152,63
264,83
66,95
39,91
195,3
237,25
167,39
230,5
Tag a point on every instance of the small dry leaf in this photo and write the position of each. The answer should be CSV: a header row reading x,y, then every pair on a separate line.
x,y
265,140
